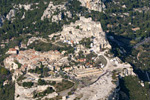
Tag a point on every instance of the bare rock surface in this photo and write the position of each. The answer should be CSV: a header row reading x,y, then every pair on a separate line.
x,y
97,91
84,28
96,5
11,14
55,12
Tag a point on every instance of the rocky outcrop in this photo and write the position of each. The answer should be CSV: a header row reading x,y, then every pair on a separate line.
x,y
27,93
97,91
127,72
55,12
84,28
32,39
11,14
96,5
9,63
26,7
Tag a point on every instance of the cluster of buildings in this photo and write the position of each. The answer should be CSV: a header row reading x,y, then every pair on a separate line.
x,y
30,58
70,34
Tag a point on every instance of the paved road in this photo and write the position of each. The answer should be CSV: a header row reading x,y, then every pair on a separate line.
x,y
147,76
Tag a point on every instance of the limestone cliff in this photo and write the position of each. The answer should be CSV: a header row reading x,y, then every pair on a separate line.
x,y
96,5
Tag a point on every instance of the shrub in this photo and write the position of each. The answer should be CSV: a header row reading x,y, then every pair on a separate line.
x,y
28,84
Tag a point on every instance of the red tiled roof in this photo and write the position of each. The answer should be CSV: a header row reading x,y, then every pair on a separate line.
x,y
25,65
81,60
12,49
33,56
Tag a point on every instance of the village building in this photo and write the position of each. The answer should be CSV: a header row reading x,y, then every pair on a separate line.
x,y
11,51
136,29
2,45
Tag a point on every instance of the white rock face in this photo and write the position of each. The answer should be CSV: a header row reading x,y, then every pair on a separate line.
x,y
26,7
100,90
27,93
23,16
52,9
11,14
96,5
9,63
31,40
84,28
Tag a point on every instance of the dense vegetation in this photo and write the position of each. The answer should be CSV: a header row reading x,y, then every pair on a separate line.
x,y
44,93
42,46
16,32
24,26
43,82
140,57
42,71
120,22
27,84
131,89
6,91
65,84
86,42
119,19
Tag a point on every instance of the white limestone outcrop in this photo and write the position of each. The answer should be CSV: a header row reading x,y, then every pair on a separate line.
x,y
26,7
11,14
55,12
27,93
96,5
84,28
9,63
32,39
97,91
